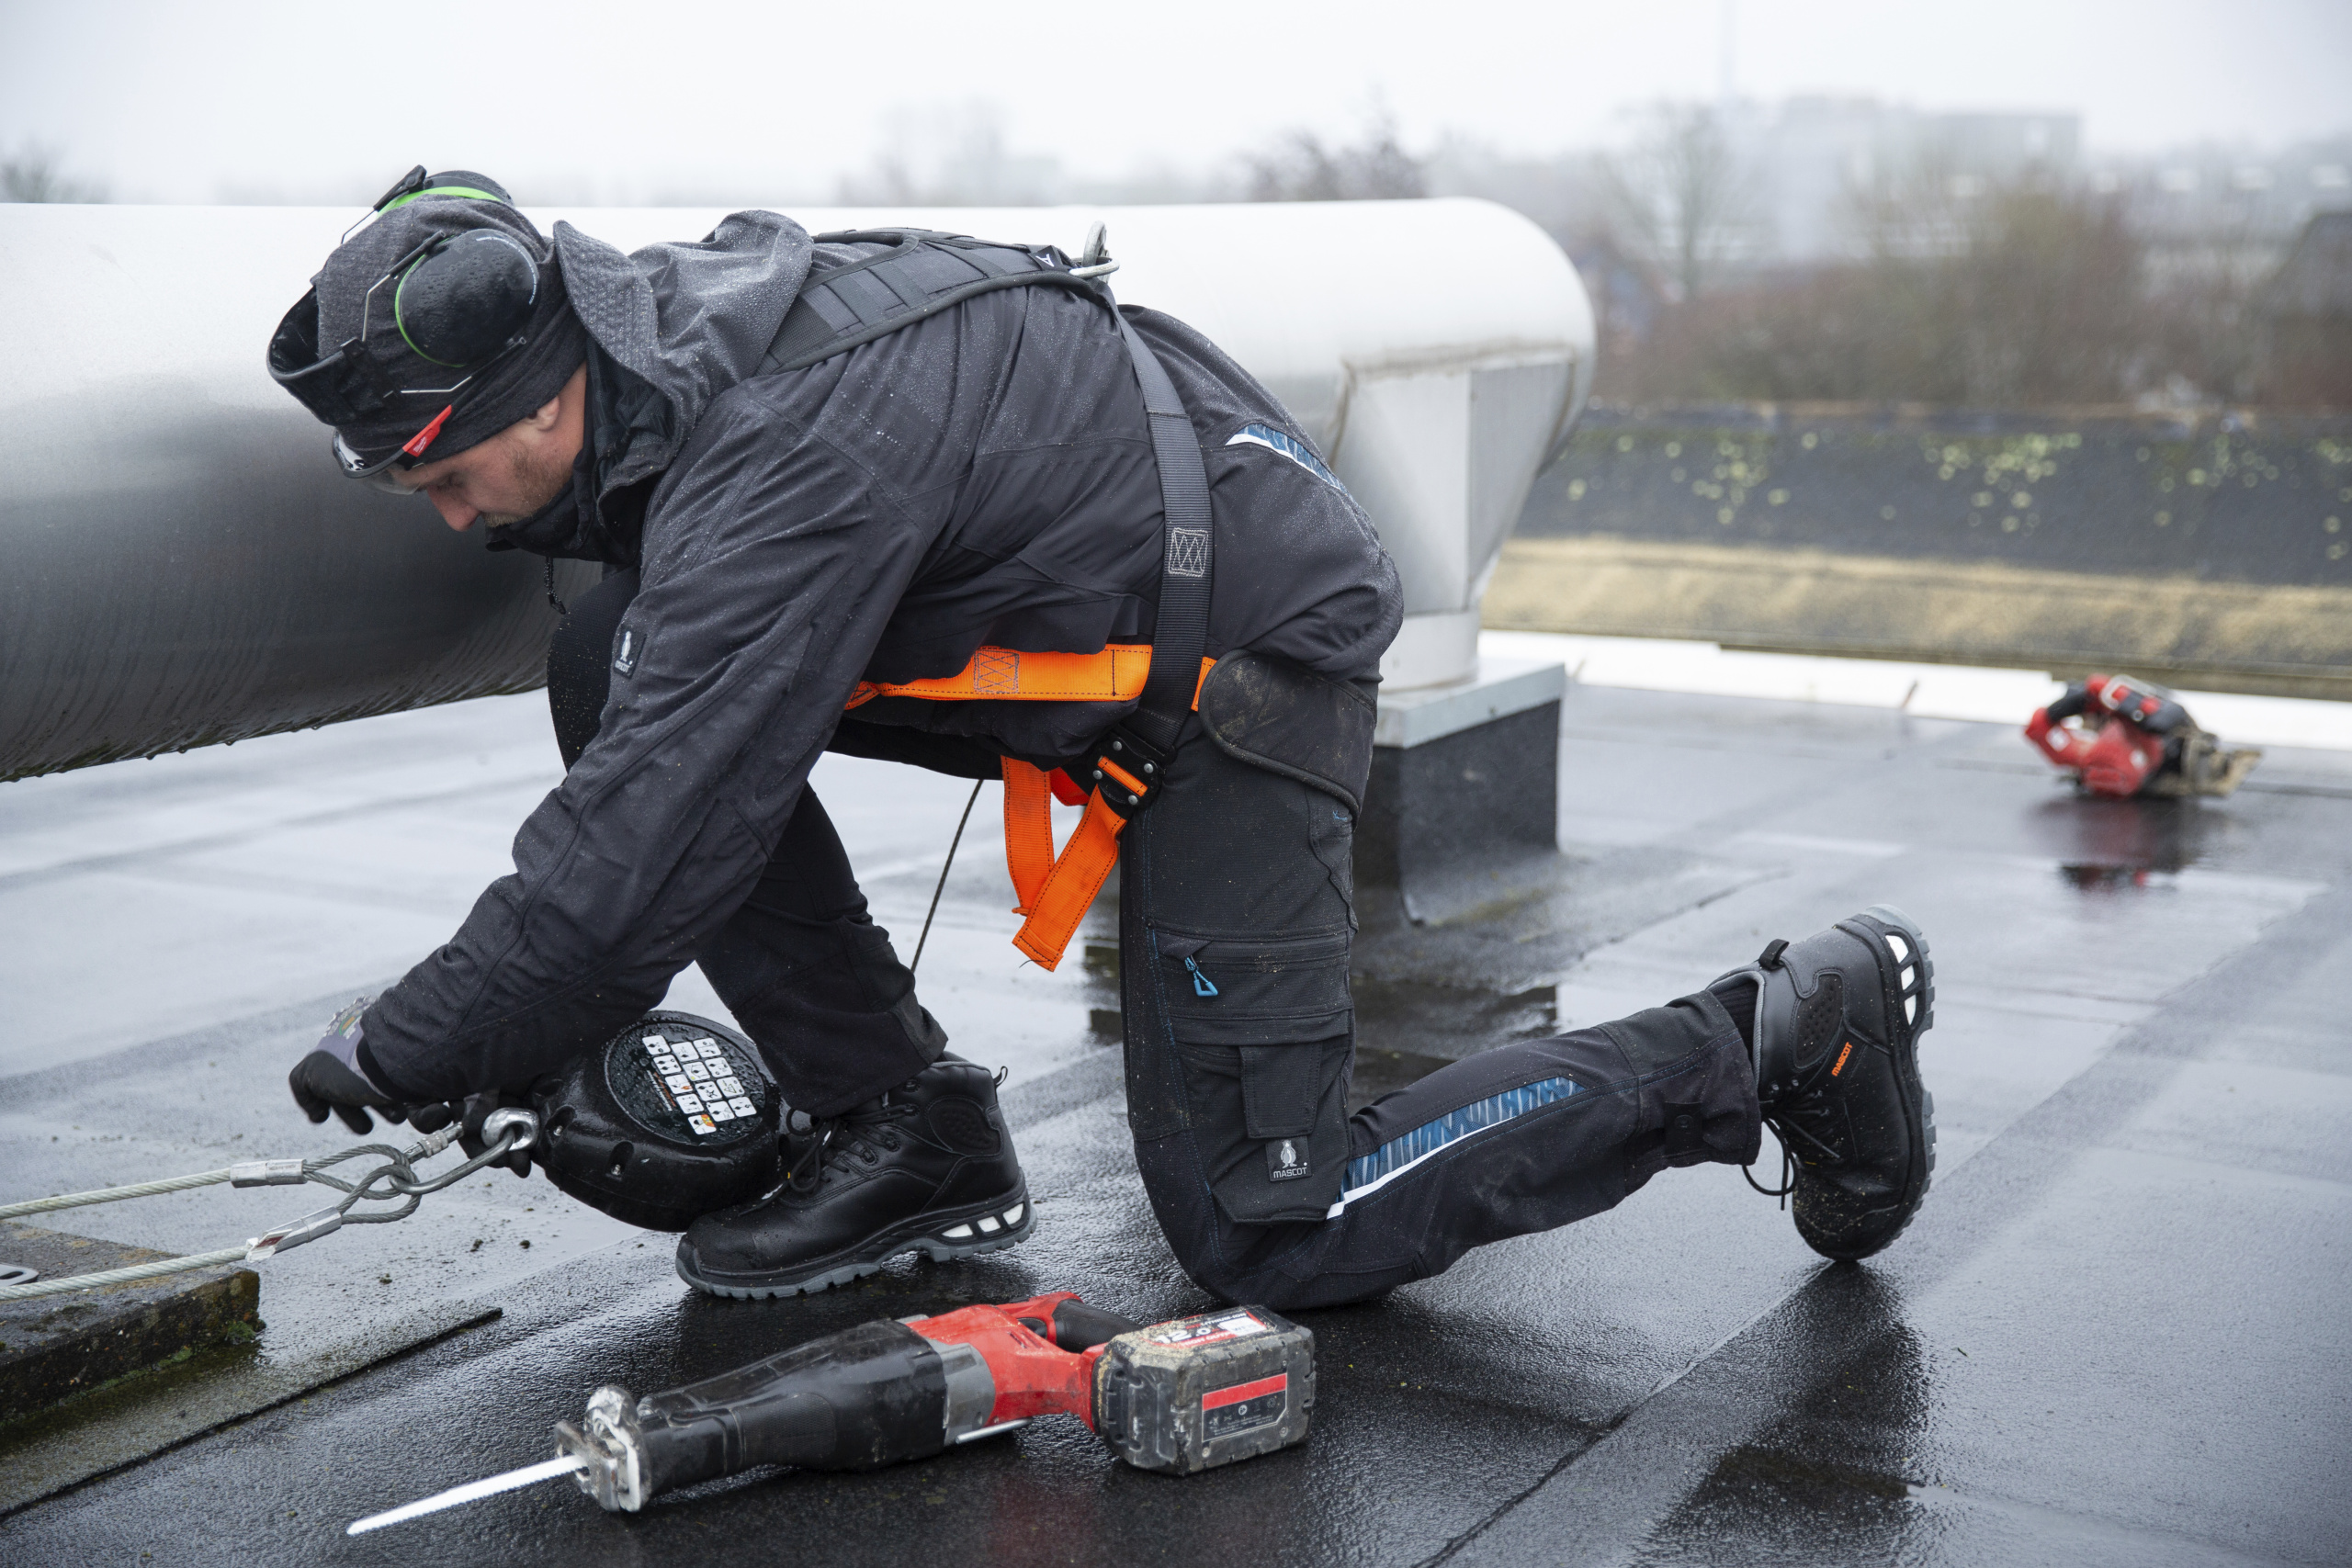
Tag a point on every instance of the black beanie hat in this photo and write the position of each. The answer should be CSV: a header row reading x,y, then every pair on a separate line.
x,y
502,392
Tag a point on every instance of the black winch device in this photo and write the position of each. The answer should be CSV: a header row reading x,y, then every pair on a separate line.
x,y
669,1119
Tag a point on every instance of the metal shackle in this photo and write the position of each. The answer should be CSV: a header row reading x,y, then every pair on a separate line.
x,y
513,1119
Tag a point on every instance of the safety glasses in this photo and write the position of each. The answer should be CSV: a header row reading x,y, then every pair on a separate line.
x,y
378,473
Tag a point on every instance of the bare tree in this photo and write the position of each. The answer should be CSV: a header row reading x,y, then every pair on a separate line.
x,y
32,174
1303,169
2306,311
1967,293
955,155
1679,195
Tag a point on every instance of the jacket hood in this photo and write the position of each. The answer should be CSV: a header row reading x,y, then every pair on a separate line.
x,y
673,325
689,320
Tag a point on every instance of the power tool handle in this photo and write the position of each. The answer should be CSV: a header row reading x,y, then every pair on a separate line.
x,y
871,1395
2072,703
1077,1326
1060,1319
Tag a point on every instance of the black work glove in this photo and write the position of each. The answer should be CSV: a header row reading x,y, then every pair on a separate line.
x,y
478,1108
330,1078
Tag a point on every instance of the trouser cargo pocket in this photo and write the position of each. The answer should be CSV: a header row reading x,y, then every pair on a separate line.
x,y
1262,1029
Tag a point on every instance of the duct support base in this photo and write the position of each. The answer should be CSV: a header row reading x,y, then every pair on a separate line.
x,y
1461,772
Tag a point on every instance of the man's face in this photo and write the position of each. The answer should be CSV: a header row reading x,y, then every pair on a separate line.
x,y
514,473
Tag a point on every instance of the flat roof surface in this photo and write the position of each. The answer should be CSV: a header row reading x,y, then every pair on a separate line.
x,y
2117,1332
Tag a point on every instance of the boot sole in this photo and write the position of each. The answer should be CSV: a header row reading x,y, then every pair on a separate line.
x,y
930,1237
1919,1104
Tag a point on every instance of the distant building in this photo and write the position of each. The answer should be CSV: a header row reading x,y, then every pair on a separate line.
x,y
2185,196
1810,156
2308,310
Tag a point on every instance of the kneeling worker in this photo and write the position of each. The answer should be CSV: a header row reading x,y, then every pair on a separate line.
x,y
921,497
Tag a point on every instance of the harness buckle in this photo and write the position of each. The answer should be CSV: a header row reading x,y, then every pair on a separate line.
x,y
1129,770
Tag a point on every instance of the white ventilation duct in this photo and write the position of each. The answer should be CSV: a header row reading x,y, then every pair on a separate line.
x,y
1436,351
186,567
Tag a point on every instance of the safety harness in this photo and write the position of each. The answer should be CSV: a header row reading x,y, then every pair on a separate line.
x,y
921,273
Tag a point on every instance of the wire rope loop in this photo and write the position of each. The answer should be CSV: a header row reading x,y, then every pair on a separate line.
x,y
403,1189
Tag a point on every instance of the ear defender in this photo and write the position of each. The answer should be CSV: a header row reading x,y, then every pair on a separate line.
x,y
458,301
467,298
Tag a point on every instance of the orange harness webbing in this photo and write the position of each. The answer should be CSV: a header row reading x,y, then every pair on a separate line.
x,y
1115,675
1054,891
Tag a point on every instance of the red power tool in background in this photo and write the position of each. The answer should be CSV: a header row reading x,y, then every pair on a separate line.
x,y
2122,738
1180,1396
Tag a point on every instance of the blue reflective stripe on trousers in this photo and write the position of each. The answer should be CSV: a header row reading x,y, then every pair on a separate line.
x,y
1431,1136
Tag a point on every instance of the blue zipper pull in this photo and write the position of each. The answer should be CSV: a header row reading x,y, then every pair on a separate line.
x,y
1202,985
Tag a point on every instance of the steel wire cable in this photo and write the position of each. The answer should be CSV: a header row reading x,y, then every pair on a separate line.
x,y
398,1173
432,1144
112,1194
122,1275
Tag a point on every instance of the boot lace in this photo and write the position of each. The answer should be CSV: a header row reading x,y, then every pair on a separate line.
x,y
1788,1114
1787,1117
860,1134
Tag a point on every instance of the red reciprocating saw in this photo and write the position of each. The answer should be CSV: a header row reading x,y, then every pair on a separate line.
x,y
1180,1396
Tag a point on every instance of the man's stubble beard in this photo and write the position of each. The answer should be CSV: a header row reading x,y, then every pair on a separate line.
x,y
539,475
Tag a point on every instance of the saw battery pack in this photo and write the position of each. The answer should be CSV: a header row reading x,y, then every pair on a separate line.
x,y
1201,1392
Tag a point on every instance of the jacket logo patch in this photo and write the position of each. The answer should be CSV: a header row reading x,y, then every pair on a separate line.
x,y
1188,552
1286,1159
1290,446
627,648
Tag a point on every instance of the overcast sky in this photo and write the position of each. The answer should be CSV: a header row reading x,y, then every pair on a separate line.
x,y
721,100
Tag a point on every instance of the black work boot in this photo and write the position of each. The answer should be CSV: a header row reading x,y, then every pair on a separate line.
x,y
1837,1021
926,1167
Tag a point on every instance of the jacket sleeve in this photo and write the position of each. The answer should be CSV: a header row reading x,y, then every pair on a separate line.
x,y
772,568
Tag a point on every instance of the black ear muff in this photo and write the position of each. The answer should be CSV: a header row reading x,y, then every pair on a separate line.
x,y
468,299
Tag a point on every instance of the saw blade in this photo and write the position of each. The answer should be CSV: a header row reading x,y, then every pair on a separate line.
x,y
564,1464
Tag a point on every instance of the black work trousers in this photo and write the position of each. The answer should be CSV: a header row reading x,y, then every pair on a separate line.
x,y
1235,917
1237,912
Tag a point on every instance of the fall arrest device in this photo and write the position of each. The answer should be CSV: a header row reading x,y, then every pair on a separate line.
x,y
921,273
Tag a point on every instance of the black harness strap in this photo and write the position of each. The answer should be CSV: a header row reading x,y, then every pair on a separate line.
x,y
1180,636
925,272
922,274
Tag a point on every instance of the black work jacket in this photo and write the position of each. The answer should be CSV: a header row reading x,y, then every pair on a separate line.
x,y
981,477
